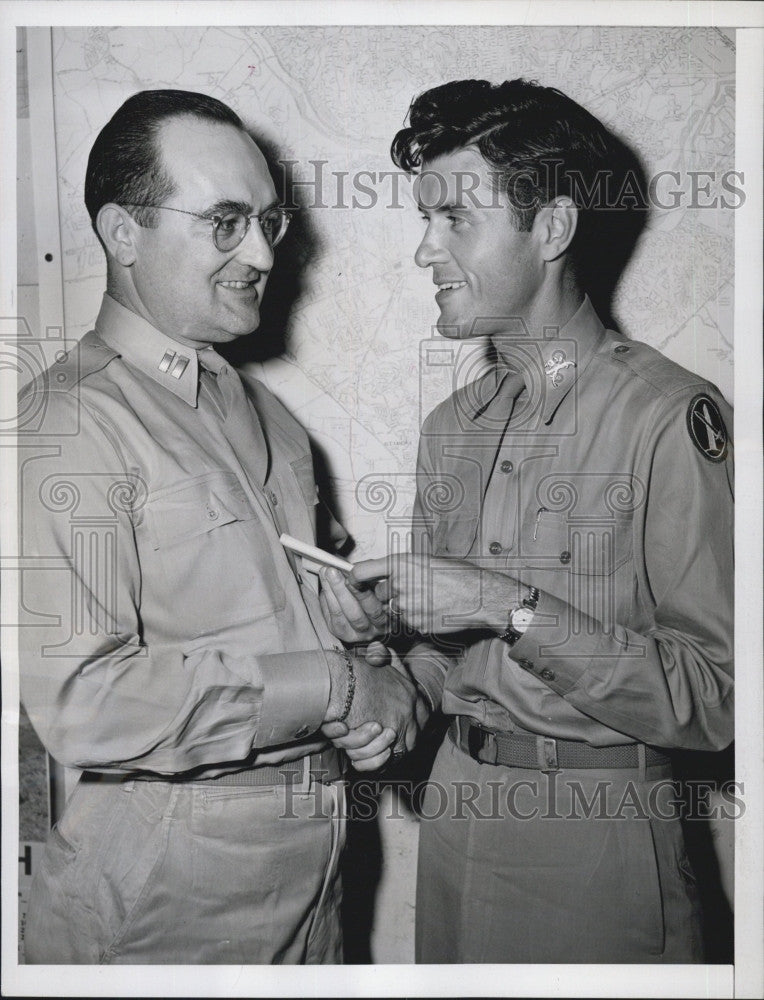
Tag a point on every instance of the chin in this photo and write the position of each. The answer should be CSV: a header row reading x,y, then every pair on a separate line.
x,y
454,329
241,330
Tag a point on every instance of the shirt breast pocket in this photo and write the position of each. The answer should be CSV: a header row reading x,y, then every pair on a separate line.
x,y
454,536
587,563
216,559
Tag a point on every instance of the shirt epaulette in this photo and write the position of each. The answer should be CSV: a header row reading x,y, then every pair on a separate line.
x,y
88,356
651,366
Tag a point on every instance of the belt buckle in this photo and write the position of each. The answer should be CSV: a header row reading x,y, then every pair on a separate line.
x,y
547,751
482,744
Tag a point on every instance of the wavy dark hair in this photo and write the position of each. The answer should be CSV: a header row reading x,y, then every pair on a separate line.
x,y
539,144
125,164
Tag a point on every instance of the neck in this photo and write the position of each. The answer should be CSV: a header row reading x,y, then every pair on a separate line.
x,y
126,294
552,310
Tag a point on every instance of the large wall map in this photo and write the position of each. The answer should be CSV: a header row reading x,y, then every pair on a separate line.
x,y
350,337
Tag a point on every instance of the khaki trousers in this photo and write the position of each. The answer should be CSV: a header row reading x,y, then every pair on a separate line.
x,y
161,872
512,869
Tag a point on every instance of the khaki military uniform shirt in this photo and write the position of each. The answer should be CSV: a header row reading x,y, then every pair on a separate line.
x,y
609,490
164,626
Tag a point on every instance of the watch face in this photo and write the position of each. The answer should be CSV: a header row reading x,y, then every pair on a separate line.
x,y
521,618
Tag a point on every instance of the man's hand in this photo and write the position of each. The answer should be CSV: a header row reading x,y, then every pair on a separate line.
x,y
436,596
385,712
354,614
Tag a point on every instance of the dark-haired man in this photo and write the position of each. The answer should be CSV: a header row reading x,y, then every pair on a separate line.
x,y
174,654
580,583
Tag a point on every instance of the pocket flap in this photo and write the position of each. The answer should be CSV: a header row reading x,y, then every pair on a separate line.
x,y
596,548
195,508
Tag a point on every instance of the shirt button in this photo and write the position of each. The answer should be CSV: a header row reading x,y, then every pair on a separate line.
x,y
525,664
212,514
565,557
548,675
621,349
302,731
274,498
494,548
506,467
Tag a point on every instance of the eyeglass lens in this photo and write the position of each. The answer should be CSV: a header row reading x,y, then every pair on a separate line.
x,y
231,229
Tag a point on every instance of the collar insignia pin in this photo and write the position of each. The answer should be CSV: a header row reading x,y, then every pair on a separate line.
x,y
178,362
555,366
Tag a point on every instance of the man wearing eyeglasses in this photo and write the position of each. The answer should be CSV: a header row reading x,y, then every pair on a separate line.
x,y
175,654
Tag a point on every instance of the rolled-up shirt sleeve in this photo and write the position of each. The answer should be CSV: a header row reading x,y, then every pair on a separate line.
x,y
670,683
100,694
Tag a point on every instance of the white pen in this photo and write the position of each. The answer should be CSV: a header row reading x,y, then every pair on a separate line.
x,y
316,554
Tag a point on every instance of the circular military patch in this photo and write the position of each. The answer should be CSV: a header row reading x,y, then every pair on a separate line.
x,y
706,427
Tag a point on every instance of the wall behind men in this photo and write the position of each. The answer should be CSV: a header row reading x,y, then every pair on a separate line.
x,y
351,315
347,341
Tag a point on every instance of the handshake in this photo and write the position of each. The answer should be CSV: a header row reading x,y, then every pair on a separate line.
x,y
374,695
378,703
375,709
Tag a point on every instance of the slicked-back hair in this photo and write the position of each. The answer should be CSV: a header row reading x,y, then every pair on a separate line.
x,y
539,144
125,164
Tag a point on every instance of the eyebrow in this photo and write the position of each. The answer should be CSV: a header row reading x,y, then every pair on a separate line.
x,y
448,206
226,205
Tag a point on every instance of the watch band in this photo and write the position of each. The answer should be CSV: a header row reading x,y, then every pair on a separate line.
x,y
511,634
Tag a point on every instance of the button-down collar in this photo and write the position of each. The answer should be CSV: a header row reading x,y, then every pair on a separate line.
x,y
171,364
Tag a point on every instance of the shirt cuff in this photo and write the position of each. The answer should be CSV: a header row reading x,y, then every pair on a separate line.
x,y
429,671
551,650
295,696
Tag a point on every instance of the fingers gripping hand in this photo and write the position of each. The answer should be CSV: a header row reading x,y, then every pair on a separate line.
x,y
378,654
384,710
368,746
387,695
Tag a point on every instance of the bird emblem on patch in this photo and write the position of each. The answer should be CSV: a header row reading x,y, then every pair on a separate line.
x,y
706,427
555,366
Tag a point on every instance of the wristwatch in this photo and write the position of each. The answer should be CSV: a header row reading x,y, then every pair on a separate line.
x,y
520,617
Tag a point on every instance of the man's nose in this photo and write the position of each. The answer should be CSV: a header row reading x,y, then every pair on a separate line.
x,y
255,250
430,250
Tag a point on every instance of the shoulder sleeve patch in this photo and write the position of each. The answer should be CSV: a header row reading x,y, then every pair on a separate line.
x,y
706,428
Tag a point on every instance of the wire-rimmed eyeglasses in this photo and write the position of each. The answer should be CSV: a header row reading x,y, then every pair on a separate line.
x,y
230,228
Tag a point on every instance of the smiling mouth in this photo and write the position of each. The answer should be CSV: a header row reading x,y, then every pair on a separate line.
x,y
239,286
444,287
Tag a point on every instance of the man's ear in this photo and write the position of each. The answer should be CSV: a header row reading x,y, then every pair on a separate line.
x,y
117,229
557,223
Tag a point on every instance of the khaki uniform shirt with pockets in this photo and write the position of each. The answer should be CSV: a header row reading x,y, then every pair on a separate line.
x,y
164,627
610,490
